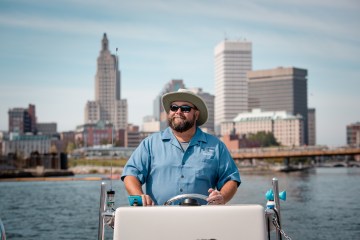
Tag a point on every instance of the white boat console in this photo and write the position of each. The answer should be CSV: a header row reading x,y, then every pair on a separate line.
x,y
188,220
190,223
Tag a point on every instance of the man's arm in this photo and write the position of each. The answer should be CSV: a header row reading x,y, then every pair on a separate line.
x,y
224,195
133,187
228,190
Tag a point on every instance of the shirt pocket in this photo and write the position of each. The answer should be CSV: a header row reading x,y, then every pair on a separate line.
x,y
207,169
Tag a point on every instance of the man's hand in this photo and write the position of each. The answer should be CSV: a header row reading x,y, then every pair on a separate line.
x,y
147,201
133,187
215,197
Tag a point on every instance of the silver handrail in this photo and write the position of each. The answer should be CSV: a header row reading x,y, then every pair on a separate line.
x,y
106,211
102,209
275,184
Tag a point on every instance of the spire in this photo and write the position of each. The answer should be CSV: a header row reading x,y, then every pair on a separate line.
x,y
105,43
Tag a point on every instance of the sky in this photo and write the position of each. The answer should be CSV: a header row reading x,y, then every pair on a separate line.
x,y
48,52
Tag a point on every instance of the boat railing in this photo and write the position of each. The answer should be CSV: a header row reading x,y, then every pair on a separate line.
x,y
272,211
106,211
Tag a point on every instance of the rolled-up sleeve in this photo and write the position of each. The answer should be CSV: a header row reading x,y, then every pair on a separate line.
x,y
227,167
137,165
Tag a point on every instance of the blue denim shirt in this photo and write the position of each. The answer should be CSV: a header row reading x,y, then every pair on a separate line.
x,y
168,170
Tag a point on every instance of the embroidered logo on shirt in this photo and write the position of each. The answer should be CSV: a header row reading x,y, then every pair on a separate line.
x,y
209,152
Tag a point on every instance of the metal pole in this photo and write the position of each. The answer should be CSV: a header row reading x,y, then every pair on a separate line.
x,y
101,230
277,204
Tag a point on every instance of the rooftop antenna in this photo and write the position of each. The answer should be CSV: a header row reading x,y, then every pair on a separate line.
x,y
225,36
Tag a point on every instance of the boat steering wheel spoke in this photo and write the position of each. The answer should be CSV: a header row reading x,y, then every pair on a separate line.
x,y
190,196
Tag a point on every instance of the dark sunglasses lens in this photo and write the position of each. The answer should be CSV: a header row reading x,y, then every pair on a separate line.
x,y
174,108
185,108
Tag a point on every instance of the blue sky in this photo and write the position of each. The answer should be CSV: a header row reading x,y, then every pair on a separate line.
x,y
49,51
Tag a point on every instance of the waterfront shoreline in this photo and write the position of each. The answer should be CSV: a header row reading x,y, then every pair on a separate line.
x,y
81,173
35,172
51,179
71,174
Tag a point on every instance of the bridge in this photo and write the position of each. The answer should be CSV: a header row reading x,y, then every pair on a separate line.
x,y
331,163
329,157
298,152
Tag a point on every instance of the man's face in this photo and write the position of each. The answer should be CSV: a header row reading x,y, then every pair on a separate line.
x,y
180,117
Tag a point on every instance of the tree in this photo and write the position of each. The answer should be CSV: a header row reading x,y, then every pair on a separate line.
x,y
70,147
104,141
266,139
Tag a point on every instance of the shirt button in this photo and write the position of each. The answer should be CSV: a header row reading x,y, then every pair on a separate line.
x,y
182,176
181,189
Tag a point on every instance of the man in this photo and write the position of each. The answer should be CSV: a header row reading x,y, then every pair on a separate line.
x,y
182,158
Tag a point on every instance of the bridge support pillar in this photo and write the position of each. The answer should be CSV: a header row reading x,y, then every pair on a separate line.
x,y
286,162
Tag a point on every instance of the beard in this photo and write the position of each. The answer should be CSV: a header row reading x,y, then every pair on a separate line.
x,y
182,126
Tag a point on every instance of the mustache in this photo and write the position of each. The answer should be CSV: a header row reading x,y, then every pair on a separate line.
x,y
178,116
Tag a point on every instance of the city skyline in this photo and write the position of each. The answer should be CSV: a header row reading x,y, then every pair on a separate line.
x,y
49,52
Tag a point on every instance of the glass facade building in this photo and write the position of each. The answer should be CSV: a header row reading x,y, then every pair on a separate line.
x,y
280,89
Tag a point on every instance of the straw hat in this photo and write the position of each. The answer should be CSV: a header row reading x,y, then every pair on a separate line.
x,y
185,95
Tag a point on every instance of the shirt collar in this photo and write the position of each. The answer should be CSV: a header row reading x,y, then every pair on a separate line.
x,y
199,136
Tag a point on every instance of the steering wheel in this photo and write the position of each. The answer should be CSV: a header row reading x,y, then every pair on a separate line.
x,y
184,196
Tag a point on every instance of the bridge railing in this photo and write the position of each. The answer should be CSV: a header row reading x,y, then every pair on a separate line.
x,y
280,149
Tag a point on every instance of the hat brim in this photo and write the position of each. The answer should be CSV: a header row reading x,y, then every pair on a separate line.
x,y
190,97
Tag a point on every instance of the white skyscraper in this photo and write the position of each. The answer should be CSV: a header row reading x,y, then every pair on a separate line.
x,y
233,59
108,105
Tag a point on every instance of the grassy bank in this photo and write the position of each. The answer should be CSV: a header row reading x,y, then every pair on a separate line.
x,y
96,162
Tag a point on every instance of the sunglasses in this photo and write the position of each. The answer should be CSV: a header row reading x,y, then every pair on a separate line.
x,y
183,108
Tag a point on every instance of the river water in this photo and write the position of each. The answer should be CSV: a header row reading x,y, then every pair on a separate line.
x,y
321,204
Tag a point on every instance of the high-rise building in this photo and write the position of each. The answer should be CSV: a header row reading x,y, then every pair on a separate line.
x,y
209,101
22,120
312,126
280,89
108,105
46,128
353,134
233,59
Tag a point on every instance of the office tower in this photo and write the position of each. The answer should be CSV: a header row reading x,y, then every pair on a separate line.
x,y
312,126
280,89
353,134
209,101
22,120
233,59
32,114
46,128
108,105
